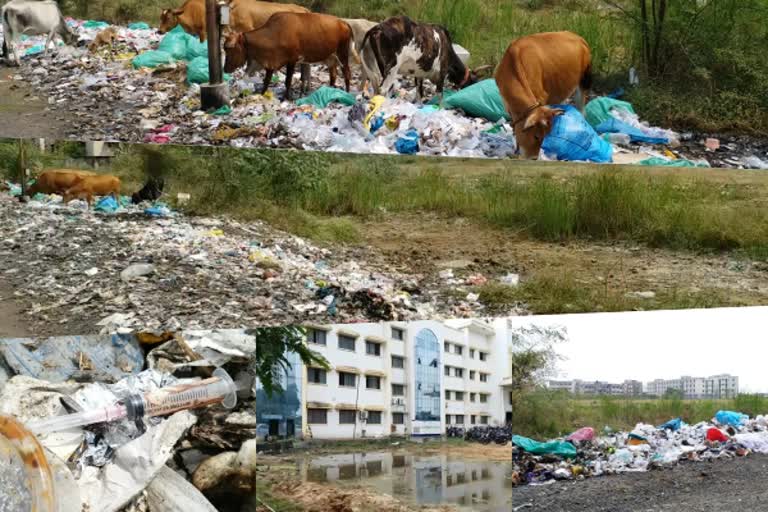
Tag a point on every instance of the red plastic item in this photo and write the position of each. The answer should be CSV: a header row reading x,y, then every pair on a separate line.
x,y
715,434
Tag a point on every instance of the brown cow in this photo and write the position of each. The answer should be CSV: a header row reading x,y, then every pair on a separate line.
x,y
245,15
89,186
288,39
56,181
540,70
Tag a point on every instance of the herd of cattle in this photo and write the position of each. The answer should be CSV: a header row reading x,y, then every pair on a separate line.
x,y
535,71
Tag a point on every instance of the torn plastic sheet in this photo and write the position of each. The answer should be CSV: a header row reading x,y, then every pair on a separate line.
x,y
106,358
215,347
170,492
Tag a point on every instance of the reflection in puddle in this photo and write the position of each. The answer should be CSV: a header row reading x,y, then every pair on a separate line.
x,y
481,486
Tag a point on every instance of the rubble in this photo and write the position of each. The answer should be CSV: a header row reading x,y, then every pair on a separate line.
x,y
583,454
166,273
99,96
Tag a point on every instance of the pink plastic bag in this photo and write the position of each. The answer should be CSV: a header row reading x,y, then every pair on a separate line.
x,y
583,434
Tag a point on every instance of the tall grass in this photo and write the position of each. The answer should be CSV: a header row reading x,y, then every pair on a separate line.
x,y
546,414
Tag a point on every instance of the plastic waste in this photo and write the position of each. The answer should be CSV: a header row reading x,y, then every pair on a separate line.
x,y
599,109
152,59
755,441
734,419
482,99
715,434
573,139
408,144
175,43
137,270
197,71
673,425
497,146
139,26
583,434
613,125
753,162
107,204
325,95
617,139
664,162
560,448
95,25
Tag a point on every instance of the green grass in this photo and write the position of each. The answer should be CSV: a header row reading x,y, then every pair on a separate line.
x,y
547,414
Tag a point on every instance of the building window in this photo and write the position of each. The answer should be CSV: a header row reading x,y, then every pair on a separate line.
x,y
347,379
346,342
458,349
459,372
316,375
346,417
459,395
483,377
316,336
447,370
372,349
447,347
484,420
447,419
397,334
459,419
398,362
398,418
483,398
472,397
472,419
317,416
374,417
472,353
426,362
372,382
398,390
483,356
471,374
447,394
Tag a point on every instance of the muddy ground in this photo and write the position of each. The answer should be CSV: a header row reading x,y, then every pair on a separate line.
x,y
726,485
24,114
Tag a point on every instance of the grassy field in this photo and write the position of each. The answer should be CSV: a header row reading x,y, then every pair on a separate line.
x,y
547,414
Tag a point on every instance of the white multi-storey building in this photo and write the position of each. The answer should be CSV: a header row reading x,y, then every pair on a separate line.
x,y
412,378
716,386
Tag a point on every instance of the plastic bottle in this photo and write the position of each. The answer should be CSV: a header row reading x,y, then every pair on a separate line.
x,y
621,139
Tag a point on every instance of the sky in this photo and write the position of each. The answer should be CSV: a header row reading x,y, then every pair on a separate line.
x,y
664,345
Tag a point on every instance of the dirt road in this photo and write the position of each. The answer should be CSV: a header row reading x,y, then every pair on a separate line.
x,y
24,113
727,485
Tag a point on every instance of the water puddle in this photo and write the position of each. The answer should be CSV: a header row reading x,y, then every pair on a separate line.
x,y
482,486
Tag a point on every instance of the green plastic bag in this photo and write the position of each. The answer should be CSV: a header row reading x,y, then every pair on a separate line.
x,y
560,448
482,99
175,43
95,24
436,99
195,48
152,59
662,162
197,71
599,109
325,95
138,26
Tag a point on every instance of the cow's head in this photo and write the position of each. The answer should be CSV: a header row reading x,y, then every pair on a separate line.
x,y
234,50
531,130
469,76
169,18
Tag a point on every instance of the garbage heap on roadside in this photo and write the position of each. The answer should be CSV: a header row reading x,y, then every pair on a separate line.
x,y
145,88
585,454
199,456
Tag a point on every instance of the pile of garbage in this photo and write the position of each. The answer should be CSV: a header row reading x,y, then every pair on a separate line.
x,y
584,454
144,87
122,266
188,446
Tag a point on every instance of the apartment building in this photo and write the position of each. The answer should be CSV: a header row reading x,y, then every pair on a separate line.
x,y
716,386
597,387
412,378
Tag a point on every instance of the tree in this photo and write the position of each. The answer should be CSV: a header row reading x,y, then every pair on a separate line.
x,y
272,346
674,394
533,356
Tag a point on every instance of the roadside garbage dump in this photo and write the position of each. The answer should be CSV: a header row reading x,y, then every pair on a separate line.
x,y
482,434
129,423
584,454
144,87
121,266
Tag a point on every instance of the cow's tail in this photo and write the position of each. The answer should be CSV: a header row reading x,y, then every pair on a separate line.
x,y
370,60
6,33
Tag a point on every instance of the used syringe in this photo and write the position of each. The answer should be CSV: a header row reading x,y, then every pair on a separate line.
x,y
219,389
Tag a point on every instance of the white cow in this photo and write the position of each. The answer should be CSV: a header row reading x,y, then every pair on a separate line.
x,y
33,18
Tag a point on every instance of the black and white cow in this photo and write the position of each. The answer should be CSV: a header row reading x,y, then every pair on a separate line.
x,y
400,46
33,18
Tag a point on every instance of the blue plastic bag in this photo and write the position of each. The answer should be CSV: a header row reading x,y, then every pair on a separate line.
x,y
138,26
572,138
613,125
673,425
734,419
107,204
408,144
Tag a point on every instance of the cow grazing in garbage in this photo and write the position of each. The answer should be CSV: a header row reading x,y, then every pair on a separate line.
x,y
56,181
540,70
401,46
32,18
288,39
87,187
244,16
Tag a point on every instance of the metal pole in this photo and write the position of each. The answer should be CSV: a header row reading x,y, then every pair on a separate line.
x,y
214,94
23,168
